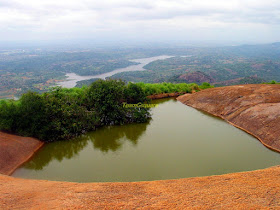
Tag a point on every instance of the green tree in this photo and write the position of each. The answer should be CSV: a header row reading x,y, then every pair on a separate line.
x,y
105,98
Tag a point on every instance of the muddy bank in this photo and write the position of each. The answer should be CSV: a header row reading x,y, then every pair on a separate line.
x,y
15,150
253,108
246,190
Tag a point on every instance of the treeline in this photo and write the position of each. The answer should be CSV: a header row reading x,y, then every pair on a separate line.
x,y
166,87
272,82
65,113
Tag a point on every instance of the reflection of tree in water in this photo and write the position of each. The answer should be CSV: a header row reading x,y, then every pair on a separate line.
x,y
56,151
104,139
109,138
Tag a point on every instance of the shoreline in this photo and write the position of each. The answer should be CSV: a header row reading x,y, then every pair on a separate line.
x,y
231,123
31,145
239,114
7,168
15,151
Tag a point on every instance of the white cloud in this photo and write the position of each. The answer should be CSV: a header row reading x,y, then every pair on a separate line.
x,y
134,19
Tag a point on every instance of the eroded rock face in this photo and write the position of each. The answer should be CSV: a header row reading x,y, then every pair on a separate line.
x,y
253,108
15,150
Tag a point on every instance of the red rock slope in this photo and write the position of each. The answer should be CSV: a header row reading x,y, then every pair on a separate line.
x,y
253,108
15,150
247,190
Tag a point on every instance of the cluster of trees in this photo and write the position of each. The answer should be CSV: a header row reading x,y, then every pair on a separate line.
x,y
272,82
64,113
167,87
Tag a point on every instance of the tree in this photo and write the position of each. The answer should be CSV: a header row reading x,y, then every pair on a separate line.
x,y
105,98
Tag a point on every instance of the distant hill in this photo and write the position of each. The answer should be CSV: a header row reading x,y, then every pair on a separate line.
x,y
196,77
193,77
245,64
241,81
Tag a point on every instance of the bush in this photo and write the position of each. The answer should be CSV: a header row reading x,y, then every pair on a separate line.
x,y
205,85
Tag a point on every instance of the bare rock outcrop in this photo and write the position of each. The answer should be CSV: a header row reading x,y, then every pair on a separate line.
x,y
15,150
252,108
247,190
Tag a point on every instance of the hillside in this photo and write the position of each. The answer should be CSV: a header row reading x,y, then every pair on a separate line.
x,y
224,64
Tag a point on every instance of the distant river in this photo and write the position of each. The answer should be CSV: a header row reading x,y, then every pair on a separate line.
x,y
73,78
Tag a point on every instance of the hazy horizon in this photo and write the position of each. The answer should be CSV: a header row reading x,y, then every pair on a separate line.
x,y
135,22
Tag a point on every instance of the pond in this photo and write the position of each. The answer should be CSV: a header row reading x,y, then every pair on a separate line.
x,y
178,142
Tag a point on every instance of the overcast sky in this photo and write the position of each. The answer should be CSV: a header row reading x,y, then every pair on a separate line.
x,y
244,21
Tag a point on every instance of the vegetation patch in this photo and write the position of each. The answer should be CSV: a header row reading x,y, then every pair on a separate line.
x,y
63,113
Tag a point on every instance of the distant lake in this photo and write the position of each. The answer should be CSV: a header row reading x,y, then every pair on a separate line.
x,y
178,142
73,78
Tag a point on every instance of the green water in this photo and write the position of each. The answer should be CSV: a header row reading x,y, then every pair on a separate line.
x,y
178,142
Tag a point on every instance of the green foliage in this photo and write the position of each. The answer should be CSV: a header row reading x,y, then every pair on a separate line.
x,y
272,82
64,113
134,93
31,114
205,85
159,88
8,115
104,97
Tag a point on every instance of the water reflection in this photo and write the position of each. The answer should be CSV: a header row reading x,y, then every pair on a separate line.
x,y
104,139
111,138
56,151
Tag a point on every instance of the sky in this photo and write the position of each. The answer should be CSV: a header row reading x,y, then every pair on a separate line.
x,y
229,21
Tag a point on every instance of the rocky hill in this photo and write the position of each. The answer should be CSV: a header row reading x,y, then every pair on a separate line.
x,y
196,77
252,108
